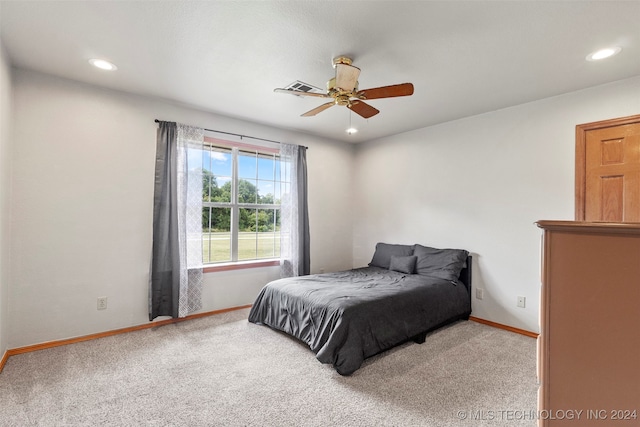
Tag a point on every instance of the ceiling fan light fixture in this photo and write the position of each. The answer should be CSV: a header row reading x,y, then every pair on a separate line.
x,y
604,53
102,64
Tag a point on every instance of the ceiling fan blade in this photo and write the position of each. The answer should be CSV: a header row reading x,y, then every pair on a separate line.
x,y
404,89
318,109
362,108
300,93
346,77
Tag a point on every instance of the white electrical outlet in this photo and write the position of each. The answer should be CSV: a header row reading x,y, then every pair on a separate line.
x,y
479,293
521,302
102,303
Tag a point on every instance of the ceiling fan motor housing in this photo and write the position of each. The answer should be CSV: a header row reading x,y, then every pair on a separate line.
x,y
342,60
331,88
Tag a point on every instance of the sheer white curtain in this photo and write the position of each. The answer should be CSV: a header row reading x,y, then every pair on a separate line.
x,y
294,229
190,218
176,265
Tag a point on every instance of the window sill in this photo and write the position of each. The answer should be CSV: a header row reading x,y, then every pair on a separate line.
x,y
240,265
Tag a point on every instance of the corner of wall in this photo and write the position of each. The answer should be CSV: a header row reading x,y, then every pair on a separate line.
x,y
5,191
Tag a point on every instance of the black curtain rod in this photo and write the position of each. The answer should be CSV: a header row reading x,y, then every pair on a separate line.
x,y
241,136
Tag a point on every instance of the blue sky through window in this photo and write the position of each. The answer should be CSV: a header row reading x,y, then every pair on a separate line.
x,y
262,171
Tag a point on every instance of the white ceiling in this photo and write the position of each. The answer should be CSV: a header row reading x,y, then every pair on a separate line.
x,y
463,57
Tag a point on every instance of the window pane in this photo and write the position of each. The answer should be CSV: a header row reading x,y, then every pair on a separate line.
x,y
266,190
259,235
268,241
265,220
247,191
216,234
219,161
247,165
247,238
213,191
219,188
216,176
247,220
268,245
266,167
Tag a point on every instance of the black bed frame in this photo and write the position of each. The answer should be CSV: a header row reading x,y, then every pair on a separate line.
x,y
465,278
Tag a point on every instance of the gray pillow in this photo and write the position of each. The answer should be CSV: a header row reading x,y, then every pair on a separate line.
x,y
384,251
403,264
443,263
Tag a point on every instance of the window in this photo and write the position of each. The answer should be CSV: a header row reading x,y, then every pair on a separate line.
x,y
241,192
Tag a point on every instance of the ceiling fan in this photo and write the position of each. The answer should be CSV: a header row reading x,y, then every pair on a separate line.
x,y
343,88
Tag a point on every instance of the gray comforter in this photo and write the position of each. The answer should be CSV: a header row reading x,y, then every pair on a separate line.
x,y
348,316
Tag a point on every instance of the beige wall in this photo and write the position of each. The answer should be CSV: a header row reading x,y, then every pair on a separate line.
x,y
480,183
83,192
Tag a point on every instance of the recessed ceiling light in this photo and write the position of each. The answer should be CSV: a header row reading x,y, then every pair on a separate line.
x,y
603,53
102,64
351,131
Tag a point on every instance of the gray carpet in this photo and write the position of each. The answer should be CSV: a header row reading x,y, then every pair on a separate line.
x,y
225,371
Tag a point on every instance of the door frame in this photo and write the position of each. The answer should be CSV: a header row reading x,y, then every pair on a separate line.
x,y
581,157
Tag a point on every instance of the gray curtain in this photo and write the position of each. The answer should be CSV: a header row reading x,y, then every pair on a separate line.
x,y
303,213
295,259
175,287
165,260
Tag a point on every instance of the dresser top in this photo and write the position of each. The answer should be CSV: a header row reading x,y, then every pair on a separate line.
x,y
591,227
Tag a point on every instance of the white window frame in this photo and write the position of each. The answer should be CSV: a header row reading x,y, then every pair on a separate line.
x,y
234,205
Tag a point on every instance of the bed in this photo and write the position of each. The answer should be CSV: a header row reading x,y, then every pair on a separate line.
x,y
406,292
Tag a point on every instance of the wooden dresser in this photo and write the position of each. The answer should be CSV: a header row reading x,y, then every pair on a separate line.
x,y
589,343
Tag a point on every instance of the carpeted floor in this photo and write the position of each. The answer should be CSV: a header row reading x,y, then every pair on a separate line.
x,y
224,371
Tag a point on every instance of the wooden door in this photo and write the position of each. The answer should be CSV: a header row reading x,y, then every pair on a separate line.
x,y
608,170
